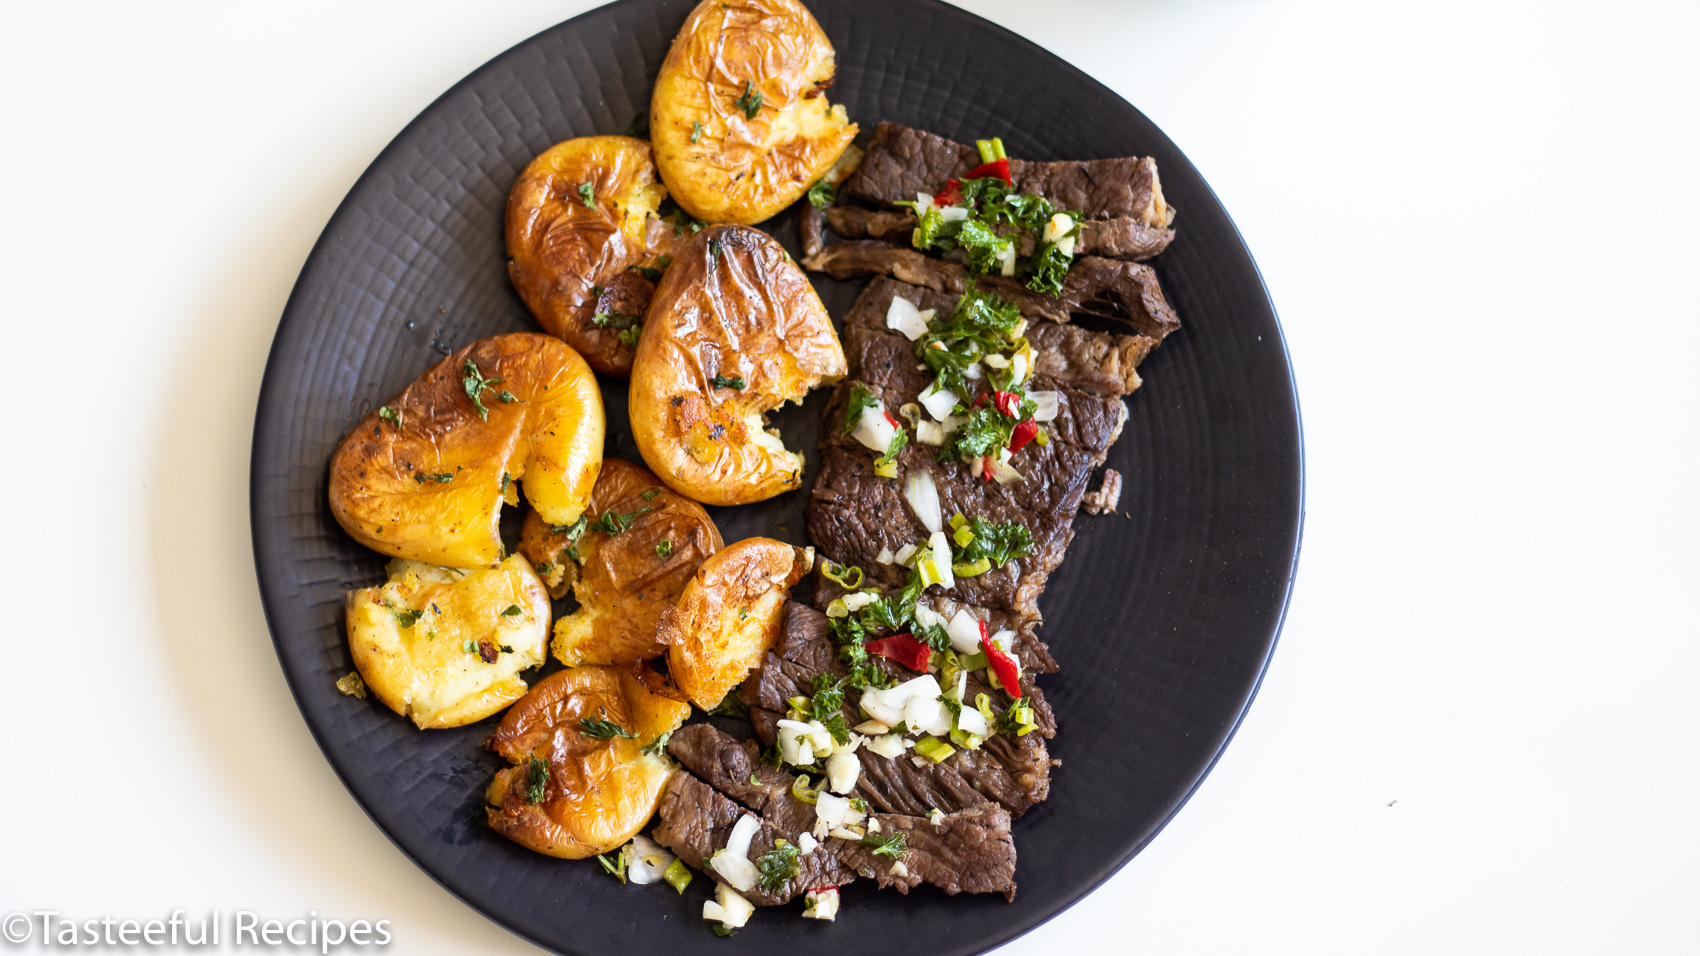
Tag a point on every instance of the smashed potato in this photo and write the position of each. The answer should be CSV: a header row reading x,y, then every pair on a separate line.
x,y
582,782
580,223
735,331
425,476
739,118
445,647
729,615
640,545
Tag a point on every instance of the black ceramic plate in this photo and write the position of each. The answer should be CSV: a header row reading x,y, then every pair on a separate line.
x,y
1162,618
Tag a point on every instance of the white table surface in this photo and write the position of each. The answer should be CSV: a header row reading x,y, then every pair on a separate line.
x,y
1477,219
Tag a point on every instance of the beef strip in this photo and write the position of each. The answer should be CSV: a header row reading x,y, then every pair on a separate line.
x,y
1111,238
697,820
902,162
1108,495
967,851
811,236
1013,772
1125,291
854,514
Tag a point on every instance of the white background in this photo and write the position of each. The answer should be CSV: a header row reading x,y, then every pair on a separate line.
x,y
1478,221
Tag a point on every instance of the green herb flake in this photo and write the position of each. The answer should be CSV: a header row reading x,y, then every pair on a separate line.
x,y
822,194
390,415
407,618
892,846
750,102
650,494
475,384
653,275
664,549
779,865
511,610
696,131
613,522
587,195
861,397
657,746
441,478
735,383
616,867
539,782
599,728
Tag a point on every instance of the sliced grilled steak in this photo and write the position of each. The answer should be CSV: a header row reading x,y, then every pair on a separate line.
x,y
810,229
1111,238
902,162
697,820
967,851
854,514
1125,291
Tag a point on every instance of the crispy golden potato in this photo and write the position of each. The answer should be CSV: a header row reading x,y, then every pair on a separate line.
x,y
739,119
733,310
425,476
623,580
730,615
571,259
598,789
444,647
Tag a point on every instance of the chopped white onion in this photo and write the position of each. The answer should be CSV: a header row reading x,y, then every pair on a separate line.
x,y
851,742
1049,404
842,769
874,430
795,747
905,317
738,870
872,728
923,496
971,721
885,556
646,861
927,617
889,746
899,869
964,631
1018,368
961,689
844,834
938,401
735,910
831,809
821,903
996,360
853,817
1003,639
820,739
1006,257
856,600
1004,473
886,706
806,842
939,546
923,204
929,433
953,213
905,553
745,830
920,713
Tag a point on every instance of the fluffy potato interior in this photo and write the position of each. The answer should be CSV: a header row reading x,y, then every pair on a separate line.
x,y
725,156
729,615
734,331
576,791
445,648
425,476
623,579
578,218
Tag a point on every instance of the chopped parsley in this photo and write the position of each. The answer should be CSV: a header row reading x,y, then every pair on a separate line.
x,y
572,531
441,477
587,195
981,324
613,522
861,398
714,251
892,846
985,432
664,548
539,781
476,385
997,216
390,415
778,865
407,618
696,131
629,326
822,194
650,494
656,746
736,382
999,543
730,706
750,102
511,610
599,728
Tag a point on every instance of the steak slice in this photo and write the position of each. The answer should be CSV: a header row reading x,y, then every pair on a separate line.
x,y
1125,291
902,162
854,514
1013,772
697,820
1111,238
967,851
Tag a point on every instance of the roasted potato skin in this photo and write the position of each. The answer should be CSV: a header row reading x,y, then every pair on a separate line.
x,y
599,792
730,615
431,488
623,582
422,670
570,260
735,167
733,305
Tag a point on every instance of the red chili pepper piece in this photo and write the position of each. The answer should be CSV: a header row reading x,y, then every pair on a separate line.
x,y
1009,673
950,195
888,418
997,167
1009,403
904,649
986,468
1023,434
